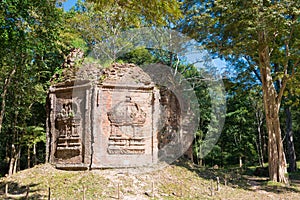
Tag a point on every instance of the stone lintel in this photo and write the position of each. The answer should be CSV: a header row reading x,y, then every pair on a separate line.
x,y
54,88
124,86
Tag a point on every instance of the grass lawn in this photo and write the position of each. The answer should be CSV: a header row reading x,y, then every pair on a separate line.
x,y
178,181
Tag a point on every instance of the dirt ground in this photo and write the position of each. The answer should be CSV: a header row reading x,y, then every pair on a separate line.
x,y
177,181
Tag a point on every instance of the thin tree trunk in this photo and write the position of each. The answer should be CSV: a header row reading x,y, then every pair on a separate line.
x,y
200,162
261,149
290,141
7,155
17,161
259,121
14,152
3,95
12,160
241,161
265,144
34,155
13,165
258,152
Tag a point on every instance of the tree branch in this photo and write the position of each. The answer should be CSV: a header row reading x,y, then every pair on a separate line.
x,y
252,68
282,88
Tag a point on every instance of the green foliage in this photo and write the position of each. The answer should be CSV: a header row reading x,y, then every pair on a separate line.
x,y
102,25
32,135
35,35
71,37
230,22
134,11
261,40
138,56
296,129
231,30
30,38
240,136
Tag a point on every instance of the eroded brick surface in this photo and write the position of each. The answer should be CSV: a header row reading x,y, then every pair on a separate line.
x,y
103,117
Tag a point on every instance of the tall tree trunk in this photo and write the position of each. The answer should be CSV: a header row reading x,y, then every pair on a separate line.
x,y
261,154
276,156
277,162
14,150
200,162
3,95
34,155
259,143
241,161
17,161
7,152
290,141
12,160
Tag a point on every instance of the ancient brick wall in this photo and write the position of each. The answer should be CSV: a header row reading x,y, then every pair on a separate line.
x,y
107,121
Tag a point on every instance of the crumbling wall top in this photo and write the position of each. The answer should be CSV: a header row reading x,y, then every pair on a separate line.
x,y
115,74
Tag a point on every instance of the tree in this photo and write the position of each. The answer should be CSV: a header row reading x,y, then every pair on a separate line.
x,y
296,126
31,136
103,25
29,35
265,36
291,102
154,12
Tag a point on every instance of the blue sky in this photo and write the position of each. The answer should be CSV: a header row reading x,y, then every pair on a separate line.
x,y
68,4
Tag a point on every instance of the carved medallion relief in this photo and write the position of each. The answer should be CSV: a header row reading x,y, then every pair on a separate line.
x,y
126,118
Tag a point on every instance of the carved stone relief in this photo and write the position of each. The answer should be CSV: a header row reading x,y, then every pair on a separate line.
x,y
125,137
110,122
67,124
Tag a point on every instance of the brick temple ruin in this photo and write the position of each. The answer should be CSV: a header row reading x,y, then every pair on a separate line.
x,y
113,117
106,119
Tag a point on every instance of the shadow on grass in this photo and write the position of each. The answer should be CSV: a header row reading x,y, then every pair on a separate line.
x,y
18,191
242,178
